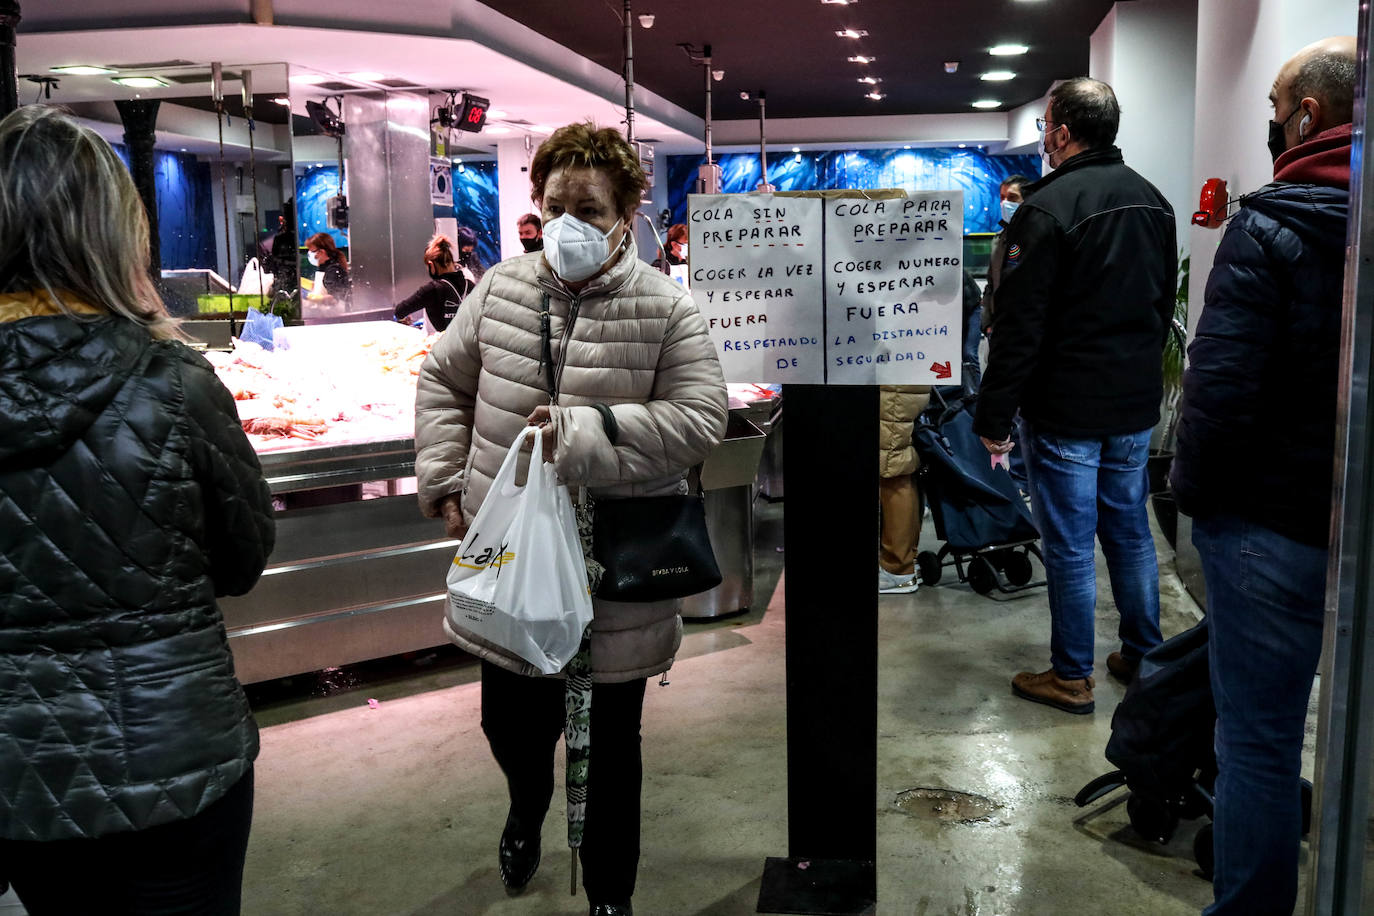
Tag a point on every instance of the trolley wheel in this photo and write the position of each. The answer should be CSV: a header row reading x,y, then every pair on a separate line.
x,y
1306,806
982,577
1202,851
928,564
1152,821
1017,568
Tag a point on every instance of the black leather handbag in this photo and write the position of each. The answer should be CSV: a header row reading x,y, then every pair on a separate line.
x,y
653,548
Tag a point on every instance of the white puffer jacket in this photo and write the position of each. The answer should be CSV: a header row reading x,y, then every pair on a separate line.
x,y
633,340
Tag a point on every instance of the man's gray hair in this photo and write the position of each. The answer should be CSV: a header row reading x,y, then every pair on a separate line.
x,y
1089,108
1330,79
71,221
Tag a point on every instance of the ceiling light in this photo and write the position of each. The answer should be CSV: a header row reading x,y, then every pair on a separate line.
x,y
283,101
497,113
871,80
457,160
852,33
367,76
875,96
796,149
963,146
998,76
81,70
1007,50
183,149
987,103
139,82
860,59
495,129
541,128
837,2
908,146
309,79
717,75
951,66
646,20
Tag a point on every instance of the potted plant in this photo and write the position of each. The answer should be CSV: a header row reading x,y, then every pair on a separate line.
x,y
1161,458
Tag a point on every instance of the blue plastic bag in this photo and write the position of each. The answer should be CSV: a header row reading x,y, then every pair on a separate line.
x,y
258,328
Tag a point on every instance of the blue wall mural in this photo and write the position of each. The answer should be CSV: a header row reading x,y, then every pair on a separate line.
x,y
976,172
314,189
185,209
477,206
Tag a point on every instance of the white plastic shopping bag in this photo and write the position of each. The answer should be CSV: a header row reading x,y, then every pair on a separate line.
x,y
519,580
255,281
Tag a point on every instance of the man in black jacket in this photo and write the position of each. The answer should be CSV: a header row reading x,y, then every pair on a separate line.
x,y
1085,297
1256,445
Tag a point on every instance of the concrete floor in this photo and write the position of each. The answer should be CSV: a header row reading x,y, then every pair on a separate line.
x,y
396,809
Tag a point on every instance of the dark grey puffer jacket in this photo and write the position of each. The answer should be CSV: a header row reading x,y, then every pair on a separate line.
x,y
129,499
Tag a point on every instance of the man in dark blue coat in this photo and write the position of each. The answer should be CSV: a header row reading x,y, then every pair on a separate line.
x,y
1254,467
1085,297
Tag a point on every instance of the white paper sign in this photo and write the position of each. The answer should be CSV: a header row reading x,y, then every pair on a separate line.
x,y
844,291
756,272
894,290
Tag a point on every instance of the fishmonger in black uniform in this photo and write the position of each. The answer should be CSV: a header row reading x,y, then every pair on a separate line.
x,y
446,288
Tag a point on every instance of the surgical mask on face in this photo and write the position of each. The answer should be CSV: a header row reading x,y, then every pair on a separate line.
x,y
316,258
682,251
1008,208
576,250
535,244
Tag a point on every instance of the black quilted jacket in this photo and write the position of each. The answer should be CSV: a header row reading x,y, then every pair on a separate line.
x,y
1257,435
129,499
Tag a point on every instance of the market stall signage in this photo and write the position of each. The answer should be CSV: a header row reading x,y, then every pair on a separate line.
x,y
838,291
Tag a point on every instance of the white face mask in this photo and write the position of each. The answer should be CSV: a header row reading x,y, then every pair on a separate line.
x,y
575,249
682,251
1008,208
315,258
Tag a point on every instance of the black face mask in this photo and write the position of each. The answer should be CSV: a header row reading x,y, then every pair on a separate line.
x,y
533,244
464,257
433,274
1278,143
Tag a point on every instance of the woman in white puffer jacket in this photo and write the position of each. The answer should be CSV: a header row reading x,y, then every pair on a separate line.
x,y
624,337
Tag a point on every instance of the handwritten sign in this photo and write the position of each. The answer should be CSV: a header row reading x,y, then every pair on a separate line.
x,y
756,276
841,291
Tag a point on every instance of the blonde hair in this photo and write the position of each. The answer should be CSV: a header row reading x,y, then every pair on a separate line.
x,y
71,221
440,251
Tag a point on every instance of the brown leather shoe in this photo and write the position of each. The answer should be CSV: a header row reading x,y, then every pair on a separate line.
x,y
1121,667
1052,690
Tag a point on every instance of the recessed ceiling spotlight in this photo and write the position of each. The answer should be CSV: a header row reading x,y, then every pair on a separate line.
x,y
1007,50
367,76
875,96
852,33
646,20
907,146
998,76
871,80
717,75
963,146
81,70
987,103
309,79
139,82
796,149
951,66
860,59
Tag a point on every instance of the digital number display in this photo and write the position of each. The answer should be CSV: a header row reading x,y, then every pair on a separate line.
x,y
473,116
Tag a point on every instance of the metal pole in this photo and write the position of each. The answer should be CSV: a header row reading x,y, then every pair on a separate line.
x,y
253,177
9,74
1345,742
629,75
763,136
217,96
706,68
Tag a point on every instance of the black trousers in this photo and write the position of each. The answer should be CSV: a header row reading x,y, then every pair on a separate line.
x,y
523,720
192,867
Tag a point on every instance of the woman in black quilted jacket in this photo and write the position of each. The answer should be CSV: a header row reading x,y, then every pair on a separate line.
x,y
129,499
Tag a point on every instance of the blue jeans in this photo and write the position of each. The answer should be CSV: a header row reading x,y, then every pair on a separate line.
x,y
1081,488
1265,596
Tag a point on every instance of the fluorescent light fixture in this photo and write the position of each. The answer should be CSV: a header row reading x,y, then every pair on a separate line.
x,y
497,113
837,2
541,128
367,76
871,80
309,79
875,96
495,129
998,76
860,59
81,70
139,82
907,146
987,103
1007,50
282,101
852,33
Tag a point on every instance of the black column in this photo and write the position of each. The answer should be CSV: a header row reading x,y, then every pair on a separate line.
x,y
140,119
831,531
9,75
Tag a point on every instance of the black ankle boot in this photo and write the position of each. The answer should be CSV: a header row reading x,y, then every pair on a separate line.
x,y
612,909
518,857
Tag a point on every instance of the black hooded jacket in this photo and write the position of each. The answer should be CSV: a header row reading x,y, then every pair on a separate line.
x,y
129,499
1256,438
1085,298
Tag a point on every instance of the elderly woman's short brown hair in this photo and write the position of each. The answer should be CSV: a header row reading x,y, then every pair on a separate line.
x,y
584,146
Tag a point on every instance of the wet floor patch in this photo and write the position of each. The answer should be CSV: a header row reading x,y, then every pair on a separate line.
x,y
948,806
